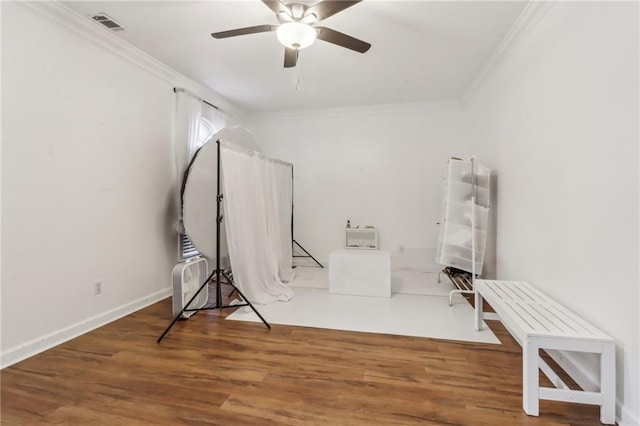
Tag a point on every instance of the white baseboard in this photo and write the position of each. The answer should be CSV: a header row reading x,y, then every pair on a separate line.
x,y
627,418
41,344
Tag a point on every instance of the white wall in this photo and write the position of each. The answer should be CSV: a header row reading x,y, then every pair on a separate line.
x,y
87,168
558,120
380,166
87,180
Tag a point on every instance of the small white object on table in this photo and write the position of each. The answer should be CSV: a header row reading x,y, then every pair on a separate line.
x,y
360,272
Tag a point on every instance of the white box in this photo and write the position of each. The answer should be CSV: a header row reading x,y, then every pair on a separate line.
x,y
360,272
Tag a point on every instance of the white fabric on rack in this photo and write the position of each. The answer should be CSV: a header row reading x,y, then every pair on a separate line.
x,y
253,258
277,189
188,111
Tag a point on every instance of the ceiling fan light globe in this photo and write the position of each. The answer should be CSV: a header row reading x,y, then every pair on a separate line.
x,y
296,35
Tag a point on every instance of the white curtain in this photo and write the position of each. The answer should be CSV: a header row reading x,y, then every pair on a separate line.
x,y
277,189
218,119
188,111
215,117
254,259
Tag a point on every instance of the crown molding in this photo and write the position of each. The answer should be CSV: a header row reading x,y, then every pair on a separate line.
x,y
357,111
525,22
68,18
72,20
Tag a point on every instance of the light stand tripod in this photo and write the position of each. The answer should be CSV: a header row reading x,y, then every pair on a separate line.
x,y
307,254
217,272
293,241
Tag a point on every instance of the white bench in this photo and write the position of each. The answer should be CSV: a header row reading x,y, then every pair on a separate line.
x,y
538,322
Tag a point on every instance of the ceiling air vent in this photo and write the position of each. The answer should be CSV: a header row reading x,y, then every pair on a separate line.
x,y
107,21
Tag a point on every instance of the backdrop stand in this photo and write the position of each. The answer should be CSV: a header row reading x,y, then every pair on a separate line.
x,y
218,272
307,254
293,241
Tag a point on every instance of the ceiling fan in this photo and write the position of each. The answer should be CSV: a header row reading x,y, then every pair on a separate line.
x,y
298,27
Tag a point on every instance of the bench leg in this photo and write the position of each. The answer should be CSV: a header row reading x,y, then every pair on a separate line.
x,y
478,310
608,384
530,378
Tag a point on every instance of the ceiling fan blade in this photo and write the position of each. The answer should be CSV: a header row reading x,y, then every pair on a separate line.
x,y
336,37
244,31
290,57
327,8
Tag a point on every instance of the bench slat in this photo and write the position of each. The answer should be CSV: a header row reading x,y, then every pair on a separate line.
x,y
535,314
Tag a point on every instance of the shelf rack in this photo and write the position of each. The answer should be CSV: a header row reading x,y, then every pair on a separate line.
x,y
361,238
465,217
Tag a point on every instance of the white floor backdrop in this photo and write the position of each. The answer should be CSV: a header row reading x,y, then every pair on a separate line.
x,y
418,307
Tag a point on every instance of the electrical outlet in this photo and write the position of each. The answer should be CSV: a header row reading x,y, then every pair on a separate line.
x,y
97,288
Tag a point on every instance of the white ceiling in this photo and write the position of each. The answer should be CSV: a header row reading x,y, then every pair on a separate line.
x,y
422,51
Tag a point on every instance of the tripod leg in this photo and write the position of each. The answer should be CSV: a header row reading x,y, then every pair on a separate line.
x,y
246,300
308,254
166,330
186,306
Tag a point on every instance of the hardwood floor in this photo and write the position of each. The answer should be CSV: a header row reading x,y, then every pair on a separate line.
x,y
211,371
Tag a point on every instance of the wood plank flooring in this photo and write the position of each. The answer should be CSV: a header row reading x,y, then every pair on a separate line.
x,y
211,371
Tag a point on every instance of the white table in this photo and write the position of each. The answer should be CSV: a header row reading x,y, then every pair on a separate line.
x,y
360,272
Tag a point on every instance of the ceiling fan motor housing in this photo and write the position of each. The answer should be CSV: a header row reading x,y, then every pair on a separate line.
x,y
297,12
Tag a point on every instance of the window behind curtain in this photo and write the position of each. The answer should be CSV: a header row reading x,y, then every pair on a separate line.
x,y
187,249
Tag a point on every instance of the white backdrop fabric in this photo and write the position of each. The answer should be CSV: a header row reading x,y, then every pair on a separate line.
x,y
277,189
279,214
252,251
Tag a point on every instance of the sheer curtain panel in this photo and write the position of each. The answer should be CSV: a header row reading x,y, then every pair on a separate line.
x,y
217,118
